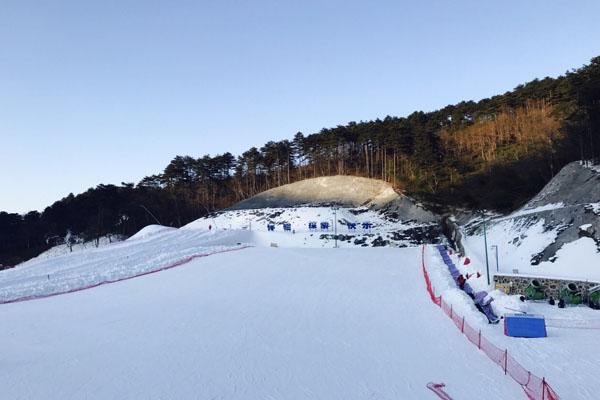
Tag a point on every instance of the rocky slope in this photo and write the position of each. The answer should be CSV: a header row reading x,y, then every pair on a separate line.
x,y
557,231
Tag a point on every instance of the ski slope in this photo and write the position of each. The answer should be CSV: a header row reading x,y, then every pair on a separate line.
x,y
259,323
147,251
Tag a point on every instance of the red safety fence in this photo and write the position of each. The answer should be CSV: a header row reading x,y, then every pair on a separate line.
x,y
105,282
535,388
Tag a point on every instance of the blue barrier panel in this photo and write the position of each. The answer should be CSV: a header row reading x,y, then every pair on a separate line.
x,y
352,225
468,289
312,226
324,226
367,225
287,227
524,325
270,227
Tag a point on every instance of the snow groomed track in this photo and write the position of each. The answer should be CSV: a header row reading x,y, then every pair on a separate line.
x,y
262,323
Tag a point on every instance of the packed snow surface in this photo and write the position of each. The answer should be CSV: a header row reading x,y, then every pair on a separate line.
x,y
256,323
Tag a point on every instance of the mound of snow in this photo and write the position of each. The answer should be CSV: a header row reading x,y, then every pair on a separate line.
x,y
151,230
579,259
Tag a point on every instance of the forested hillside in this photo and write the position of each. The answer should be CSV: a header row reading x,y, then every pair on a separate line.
x,y
495,153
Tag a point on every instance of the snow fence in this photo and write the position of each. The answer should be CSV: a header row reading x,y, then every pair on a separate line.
x,y
535,388
105,282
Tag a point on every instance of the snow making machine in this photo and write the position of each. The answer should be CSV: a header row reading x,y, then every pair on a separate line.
x,y
593,296
535,291
570,294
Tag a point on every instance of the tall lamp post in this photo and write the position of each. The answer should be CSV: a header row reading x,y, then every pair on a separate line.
x,y
487,264
495,247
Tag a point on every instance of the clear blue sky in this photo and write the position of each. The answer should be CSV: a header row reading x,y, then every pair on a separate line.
x,y
109,91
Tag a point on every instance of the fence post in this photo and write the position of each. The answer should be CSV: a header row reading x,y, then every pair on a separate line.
x,y
543,388
505,360
462,329
479,343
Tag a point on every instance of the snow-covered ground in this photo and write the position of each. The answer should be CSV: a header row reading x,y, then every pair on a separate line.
x,y
385,230
518,241
63,249
299,320
569,357
155,246
258,323
150,250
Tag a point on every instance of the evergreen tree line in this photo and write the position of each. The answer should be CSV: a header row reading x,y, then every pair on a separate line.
x,y
495,153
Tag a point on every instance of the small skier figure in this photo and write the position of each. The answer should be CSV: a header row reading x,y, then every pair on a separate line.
x,y
209,227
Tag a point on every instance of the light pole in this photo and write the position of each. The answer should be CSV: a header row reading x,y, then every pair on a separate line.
x,y
487,264
335,208
495,247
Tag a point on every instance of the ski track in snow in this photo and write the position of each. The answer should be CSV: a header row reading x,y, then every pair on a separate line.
x,y
263,323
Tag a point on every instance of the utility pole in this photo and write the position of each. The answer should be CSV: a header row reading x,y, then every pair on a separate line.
x,y
487,264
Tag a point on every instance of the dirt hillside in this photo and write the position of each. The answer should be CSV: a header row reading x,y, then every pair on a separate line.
x,y
347,191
